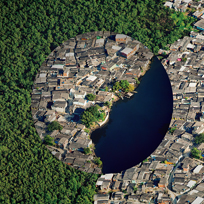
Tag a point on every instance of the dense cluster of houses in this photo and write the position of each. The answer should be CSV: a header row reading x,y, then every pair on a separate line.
x,y
86,64
183,5
169,171
170,175
184,66
142,183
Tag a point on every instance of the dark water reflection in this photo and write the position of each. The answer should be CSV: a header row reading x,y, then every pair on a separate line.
x,y
137,125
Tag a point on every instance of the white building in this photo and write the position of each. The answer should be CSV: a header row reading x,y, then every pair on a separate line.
x,y
59,106
197,169
79,102
79,94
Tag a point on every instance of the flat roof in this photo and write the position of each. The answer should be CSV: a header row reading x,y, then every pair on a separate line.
x,y
168,3
108,176
101,40
121,36
190,46
200,36
114,47
198,168
91,78
192,84
99,183
57,66
126,50
191,183
198,200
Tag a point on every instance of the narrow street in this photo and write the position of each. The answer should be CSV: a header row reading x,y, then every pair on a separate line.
x,y
173,194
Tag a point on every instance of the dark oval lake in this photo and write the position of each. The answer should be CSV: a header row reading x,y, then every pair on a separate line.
x,y
137,125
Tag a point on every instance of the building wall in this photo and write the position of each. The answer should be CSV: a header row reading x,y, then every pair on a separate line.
x,y
79,104
120,39
161,185
104,68
199,28
130,53
79,96
123,54
111,68
60,110
50,120
185,169
63,144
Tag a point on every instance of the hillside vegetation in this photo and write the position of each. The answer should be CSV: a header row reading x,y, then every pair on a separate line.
x,y
30,30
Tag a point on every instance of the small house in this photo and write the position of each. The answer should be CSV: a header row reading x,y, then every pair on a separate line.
x,y
79,94
145,197
59,106
63,142
199,24
69,161
120,38
197,169
168,4
105,185
118,196
162,183
79,102
116,185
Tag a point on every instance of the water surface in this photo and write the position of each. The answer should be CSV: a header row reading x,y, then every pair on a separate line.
x,y
137,125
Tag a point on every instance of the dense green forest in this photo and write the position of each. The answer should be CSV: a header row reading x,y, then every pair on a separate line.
x,y
29,30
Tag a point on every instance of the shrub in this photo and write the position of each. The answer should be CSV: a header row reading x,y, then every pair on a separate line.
x,y
54,126
87,150
195,153
49,140
91,97
199,139
98,161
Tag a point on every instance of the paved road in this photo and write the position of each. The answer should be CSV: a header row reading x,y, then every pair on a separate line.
x,y
173,194
172,173
169,188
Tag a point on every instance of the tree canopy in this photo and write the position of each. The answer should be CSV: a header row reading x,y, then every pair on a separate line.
x,y
87,150
91,97
172,129
54,126
199,139
92,114
108,104
124,85
137,80
195,153
49,140
98,161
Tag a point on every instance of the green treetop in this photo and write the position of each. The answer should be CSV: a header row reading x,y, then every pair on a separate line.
x,y
124,85
92,114
87,150
98,161
195,153
54,126
91,97
49,140
199,139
